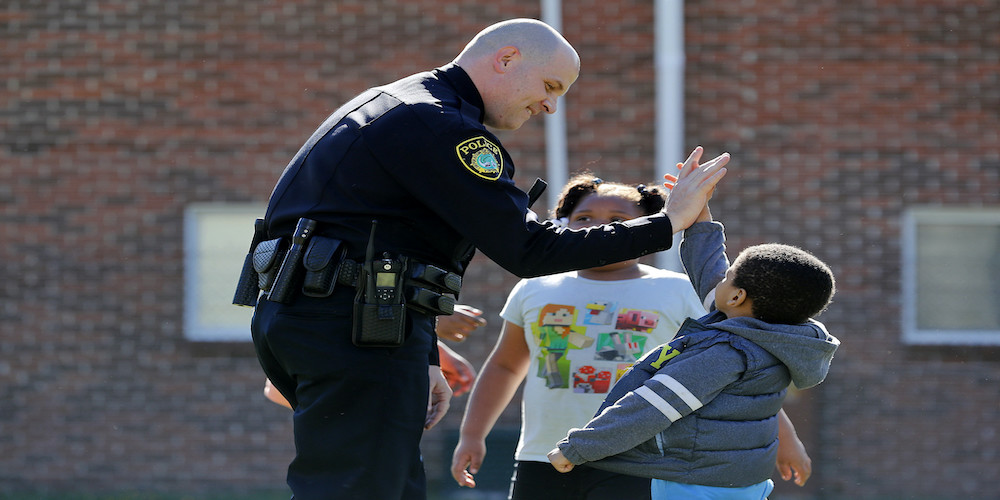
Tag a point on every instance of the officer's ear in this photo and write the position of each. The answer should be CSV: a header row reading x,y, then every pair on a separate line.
x,y
505,58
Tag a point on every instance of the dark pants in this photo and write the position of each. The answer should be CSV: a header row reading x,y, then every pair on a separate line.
x,y
359,412
540,481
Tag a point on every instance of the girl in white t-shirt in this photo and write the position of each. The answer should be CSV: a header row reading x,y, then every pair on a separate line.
x,y
570,336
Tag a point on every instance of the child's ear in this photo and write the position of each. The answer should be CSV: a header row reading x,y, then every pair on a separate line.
x,y
738,298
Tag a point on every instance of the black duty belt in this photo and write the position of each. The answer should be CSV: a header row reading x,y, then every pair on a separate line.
x,y
320,265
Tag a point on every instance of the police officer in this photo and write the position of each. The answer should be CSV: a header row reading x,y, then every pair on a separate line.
x,y
416,157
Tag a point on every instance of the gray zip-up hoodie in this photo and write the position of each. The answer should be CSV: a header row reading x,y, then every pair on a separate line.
x,y
703,408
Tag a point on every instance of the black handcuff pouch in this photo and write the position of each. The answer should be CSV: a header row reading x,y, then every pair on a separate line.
x,y
322,266
267,260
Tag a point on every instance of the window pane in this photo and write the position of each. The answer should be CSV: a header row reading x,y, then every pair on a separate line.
x,y
950,270
957,271
216,240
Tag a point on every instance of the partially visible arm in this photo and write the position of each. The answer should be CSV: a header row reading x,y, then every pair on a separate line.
x,y
457,370
501,375
793,461
272,394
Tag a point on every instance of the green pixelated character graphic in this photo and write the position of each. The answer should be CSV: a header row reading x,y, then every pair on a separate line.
x,y
555,334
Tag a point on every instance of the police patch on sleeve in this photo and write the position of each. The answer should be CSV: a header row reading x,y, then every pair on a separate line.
x,y
481,157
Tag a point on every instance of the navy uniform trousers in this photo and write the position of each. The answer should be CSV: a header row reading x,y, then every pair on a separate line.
x,y
359,412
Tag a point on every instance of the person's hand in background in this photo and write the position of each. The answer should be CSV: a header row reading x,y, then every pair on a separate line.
x,y
458,326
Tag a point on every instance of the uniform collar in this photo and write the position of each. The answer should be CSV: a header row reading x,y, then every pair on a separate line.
x,y
467,90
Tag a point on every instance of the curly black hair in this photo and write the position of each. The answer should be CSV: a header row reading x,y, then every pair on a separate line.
x,y
786,284
649,199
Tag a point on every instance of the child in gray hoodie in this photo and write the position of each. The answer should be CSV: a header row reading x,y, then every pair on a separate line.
x,y
698,415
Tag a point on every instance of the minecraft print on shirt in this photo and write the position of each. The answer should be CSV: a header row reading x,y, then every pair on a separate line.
x,y
588,348
624,343
556,332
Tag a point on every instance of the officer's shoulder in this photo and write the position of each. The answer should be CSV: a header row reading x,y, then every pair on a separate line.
x,y
440,110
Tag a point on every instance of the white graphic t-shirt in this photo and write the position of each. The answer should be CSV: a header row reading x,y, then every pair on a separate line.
x,y
583,335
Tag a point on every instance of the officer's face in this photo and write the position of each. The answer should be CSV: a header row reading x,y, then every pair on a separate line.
x,y
530,88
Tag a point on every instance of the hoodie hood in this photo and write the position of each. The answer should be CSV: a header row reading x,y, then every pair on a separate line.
x,y
806,349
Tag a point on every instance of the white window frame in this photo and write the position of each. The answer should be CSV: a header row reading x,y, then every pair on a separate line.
x,y
912,219
211,288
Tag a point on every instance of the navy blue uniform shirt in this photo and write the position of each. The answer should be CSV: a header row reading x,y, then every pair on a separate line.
x,y
415,155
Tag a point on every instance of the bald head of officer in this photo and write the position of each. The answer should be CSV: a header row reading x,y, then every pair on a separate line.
x,y
521,67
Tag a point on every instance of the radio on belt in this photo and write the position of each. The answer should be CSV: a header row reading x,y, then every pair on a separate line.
x,y
388,274
379,305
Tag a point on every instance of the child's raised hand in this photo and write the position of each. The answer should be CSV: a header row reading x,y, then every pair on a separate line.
x,y
559,461
670,180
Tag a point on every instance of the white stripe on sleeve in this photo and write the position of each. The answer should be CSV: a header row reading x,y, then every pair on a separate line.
x,y
682,392
658,402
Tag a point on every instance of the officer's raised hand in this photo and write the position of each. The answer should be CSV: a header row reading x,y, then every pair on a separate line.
x,y
691,189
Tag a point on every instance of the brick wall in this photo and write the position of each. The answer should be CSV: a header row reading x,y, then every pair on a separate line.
x,y
116,115
840,115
